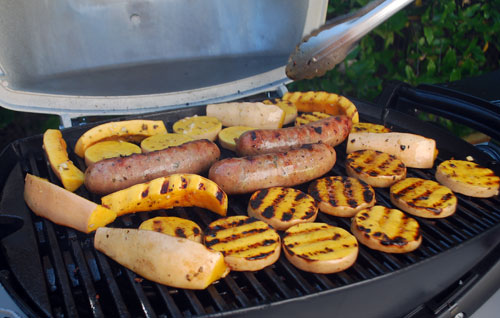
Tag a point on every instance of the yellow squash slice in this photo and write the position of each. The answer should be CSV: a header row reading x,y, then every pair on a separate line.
x,y
198,127
64,207
424,198
287,106
173,226
324,102
246,243
109,149
282,207
376,168
163,141
386,230
468,178
320,247
55,147
369,127
129,130
177,190
229,135
341,196
306,118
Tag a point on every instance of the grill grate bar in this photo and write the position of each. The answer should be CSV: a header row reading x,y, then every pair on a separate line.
x,y
135,282
216,297
168,300
294,273
282,288
194,301
240,296
257,286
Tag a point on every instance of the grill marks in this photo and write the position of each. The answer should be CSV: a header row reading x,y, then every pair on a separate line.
x,y
340,192
385,229
244,238
282,207
375,163
424,198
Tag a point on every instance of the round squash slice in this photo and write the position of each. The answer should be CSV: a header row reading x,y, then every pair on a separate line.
x,y
386,230
424,198
163,141
282,207
228,136
376,168
468,178
341,196
246,243
109,149
173,226
320,248
198,127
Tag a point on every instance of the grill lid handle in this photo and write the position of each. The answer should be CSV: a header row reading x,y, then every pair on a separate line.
x,y
329,45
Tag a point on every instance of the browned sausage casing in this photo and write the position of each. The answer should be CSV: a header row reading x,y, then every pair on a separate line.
x,y
115,174
331,131
248,174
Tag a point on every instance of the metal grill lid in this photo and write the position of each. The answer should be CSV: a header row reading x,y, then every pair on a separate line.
x,y
95,57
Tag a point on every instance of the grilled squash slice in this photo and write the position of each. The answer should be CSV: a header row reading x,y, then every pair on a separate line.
x,y
424,198
109,149
369,127
324,102
287,106
246,243
306,118
173,226
55,148
468,178
198,127
376,168
282,207
386,230
228,136
341,196
258,115
128,130
320,248
163,141
64,207
176,190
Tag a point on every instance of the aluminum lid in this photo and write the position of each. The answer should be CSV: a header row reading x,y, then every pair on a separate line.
x,y
94,57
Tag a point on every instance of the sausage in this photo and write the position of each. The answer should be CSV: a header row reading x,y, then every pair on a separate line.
x,y
115,174
331,131
251,173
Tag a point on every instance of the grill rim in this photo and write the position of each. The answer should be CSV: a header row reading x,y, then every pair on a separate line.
x,y
23,146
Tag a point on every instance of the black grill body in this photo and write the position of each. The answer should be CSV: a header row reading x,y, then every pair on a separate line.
x,y
55,271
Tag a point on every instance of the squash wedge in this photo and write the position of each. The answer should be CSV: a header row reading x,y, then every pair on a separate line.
x,y
177,190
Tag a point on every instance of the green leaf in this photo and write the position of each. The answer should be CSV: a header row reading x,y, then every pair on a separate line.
x,y
431,67
449,60
455,75
429,35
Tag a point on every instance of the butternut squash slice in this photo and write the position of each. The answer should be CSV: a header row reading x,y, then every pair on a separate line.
x,y
55,147
64,207
173,226
109,149
128,130
177,190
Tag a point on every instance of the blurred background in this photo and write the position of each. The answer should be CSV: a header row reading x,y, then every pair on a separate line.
x,y
430,41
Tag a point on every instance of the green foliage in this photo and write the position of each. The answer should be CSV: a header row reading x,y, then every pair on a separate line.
x,y
430,41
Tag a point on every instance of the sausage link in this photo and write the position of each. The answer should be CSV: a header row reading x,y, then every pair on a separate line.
x,y
248,174
331,131
115,174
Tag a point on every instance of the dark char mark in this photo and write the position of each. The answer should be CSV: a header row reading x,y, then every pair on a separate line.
x,y
257,201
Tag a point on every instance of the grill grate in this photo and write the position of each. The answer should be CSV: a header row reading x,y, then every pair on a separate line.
x,y
85,283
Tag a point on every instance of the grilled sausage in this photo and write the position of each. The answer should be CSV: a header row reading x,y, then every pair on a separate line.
x,y
115,174
248,174
331,131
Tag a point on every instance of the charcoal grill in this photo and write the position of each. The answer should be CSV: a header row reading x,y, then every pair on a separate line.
x,y
47,270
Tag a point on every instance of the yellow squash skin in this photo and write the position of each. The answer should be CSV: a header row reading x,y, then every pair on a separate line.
x,y
324,102
468,178
228,136
386,230
163,141
424,198
55,147
131,130
320,247
177,190
173,226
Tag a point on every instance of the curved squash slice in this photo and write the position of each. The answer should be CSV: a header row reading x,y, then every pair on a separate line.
x,y
129,130
177,190
64,207
109,149
55,148
324,102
